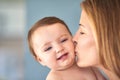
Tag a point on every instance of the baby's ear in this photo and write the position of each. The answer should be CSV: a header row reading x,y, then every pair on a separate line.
x,y
40,61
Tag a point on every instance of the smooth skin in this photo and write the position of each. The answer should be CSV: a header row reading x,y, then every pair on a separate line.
x,y
54,48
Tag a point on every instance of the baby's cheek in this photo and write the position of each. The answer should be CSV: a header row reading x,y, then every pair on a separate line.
x,y
70,45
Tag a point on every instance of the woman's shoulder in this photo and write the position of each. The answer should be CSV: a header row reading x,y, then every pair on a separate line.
x,y
90,74
98,74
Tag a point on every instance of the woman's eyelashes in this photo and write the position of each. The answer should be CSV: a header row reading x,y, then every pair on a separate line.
x,y
81,32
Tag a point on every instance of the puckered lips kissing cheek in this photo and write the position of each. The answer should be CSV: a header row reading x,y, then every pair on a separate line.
x,y
62,56
75,47
76,52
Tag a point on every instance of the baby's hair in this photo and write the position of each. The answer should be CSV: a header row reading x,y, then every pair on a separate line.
x,y
41,23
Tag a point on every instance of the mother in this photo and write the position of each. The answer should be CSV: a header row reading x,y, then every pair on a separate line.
x,y
98,37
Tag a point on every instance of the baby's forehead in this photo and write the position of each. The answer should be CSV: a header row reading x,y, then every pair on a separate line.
x,y
50,31
55,26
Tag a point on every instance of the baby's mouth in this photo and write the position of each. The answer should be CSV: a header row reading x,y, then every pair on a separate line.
x,y
62,56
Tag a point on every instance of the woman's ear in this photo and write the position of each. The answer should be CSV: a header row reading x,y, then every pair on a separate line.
x,y
40,61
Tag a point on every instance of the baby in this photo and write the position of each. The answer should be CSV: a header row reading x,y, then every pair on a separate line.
x,y
50,42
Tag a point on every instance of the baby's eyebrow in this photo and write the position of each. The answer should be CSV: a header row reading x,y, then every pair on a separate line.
x,y
45,44
63,35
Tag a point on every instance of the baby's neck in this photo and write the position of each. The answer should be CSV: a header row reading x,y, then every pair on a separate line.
x,y
70,69
74,73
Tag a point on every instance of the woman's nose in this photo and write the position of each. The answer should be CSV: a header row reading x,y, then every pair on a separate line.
x,y
75,39
75,43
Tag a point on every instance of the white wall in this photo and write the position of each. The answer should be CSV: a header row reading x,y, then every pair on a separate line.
x,y
12,24
12,18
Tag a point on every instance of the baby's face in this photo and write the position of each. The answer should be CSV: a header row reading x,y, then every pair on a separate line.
x,y
54,47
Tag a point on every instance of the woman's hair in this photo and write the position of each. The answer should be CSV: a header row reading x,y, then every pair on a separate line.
x,y
42,23
105,23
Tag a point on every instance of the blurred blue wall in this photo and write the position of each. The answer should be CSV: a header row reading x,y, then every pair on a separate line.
x,y
67,10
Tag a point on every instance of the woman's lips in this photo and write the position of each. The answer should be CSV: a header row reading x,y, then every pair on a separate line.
x,y
62,56
75,52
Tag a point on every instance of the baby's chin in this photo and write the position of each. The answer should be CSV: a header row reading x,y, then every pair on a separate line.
x,y
67,66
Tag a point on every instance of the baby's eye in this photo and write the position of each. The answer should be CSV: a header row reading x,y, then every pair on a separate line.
x,y
64,40
48,48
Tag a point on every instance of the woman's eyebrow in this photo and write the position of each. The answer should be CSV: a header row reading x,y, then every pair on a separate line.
x,y
81,25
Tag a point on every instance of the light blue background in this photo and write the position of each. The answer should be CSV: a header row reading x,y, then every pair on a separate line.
x,y
67,10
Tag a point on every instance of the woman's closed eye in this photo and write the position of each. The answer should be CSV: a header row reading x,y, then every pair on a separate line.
x,y
81,32
48,48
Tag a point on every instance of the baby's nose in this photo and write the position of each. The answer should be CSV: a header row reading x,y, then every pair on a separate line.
x,y
59,48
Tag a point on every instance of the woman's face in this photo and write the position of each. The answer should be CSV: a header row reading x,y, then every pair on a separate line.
x,y
85,44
